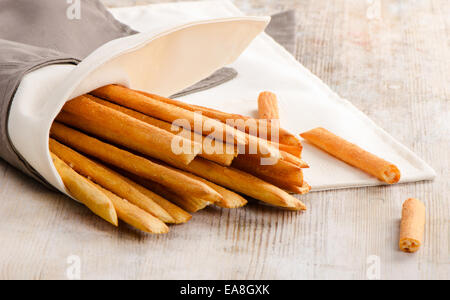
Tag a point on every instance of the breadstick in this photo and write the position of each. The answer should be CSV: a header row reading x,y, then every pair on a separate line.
x,y
171,113
294,150
285,156
189,203
303,189
123,130
268,106
85,191
109,180
224,156
135,216
167,112
282,173
165,175
353,155
243,183
229,199
284,137
412,225
179,215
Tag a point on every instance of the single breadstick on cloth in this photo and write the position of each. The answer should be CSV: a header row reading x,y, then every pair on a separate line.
x,y
85,191
268,106
353,154
412,226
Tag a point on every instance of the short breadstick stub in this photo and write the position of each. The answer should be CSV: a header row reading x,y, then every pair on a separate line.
x,y
412,225
268,106
353,154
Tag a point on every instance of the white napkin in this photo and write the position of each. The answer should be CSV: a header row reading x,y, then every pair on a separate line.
x,y
305,101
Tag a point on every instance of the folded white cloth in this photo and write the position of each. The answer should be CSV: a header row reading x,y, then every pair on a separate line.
x,y
305,101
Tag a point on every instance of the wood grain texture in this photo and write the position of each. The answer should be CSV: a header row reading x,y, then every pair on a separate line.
x,y
390,58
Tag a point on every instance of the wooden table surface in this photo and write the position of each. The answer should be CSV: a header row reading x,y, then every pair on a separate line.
x,y
392,60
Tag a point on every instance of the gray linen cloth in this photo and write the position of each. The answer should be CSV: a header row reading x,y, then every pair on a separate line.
x,y
34,34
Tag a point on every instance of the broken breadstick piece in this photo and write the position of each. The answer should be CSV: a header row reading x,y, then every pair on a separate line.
x,y
134,216
353,154
85,191
412,225
108,179
268,106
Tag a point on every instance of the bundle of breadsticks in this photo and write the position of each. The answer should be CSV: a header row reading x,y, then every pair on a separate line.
x,y
151,161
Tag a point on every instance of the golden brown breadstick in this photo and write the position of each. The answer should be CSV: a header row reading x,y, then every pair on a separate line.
x,y
121,129
353,155
108,179
303,189
134,216
85,191
172,113
285,156
229,199
412,225
243,183
294,150
268,106
282,174
284,137
189,203
179,215
225,152
168,176
168,112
